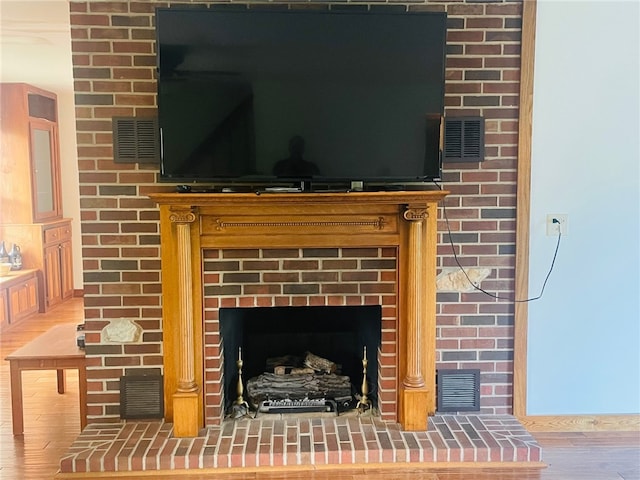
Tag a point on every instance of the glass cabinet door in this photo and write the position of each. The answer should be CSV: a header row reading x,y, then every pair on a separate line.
x,y
46,203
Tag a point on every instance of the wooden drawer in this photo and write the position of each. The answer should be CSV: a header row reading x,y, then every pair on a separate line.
x,y
51,235
57,234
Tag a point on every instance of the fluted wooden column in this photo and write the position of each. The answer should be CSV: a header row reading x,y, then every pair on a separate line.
x,y
413,409
413,377
185,399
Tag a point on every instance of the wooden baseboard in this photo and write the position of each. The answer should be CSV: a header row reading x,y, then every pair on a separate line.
x,y
78,293
581,423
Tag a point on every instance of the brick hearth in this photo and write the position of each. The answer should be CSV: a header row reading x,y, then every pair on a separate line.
x,y
313,442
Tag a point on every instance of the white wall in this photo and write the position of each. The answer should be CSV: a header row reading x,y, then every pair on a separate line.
x,y
35,48
584,334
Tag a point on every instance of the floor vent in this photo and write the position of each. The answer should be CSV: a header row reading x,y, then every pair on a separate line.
x,y
463,139
141,396
136,140
458,390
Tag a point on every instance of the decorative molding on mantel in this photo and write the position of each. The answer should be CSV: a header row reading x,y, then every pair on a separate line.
x,y
190,223
378,224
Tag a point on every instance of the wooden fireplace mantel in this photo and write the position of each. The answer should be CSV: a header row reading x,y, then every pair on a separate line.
x,y
190,223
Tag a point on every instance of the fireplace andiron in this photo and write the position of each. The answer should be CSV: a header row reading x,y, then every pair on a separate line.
x,y
240,407
364,403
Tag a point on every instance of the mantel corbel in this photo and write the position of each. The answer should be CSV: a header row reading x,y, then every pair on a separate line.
x,y
182,215
414,213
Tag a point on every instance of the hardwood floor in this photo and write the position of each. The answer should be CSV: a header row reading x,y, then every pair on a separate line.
x,y
52,423
51,420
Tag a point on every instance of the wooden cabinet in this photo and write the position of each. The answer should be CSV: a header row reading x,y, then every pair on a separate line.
x,y
30,154
58,265
23,298
30,197
46,247
19,296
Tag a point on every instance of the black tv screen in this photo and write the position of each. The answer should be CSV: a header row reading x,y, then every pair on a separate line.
x,y
265,96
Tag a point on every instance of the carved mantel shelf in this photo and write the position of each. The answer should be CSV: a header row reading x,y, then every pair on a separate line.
x,y
190,223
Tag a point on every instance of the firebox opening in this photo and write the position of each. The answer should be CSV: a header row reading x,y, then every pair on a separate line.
x,y
336,333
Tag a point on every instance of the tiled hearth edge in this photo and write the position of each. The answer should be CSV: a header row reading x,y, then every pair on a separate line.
x,y
312,442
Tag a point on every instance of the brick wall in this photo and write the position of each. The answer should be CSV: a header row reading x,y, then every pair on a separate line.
x,y
113,45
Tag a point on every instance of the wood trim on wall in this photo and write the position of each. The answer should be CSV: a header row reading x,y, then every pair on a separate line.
x,y
538,423
523,205
580,423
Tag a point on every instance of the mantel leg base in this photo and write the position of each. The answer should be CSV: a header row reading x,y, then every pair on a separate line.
x,y
414,408
185,414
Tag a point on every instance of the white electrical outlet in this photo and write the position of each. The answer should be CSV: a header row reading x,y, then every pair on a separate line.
x,y
561,227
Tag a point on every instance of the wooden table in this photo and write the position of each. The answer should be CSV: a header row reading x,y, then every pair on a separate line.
x,y
55,349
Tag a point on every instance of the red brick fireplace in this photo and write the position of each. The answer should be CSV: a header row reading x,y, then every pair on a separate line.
x,y
308,249
224,251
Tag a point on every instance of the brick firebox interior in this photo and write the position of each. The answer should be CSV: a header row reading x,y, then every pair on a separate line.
x,y
113,46
273,277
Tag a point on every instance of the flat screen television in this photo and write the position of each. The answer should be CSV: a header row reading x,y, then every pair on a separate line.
x,y
272,96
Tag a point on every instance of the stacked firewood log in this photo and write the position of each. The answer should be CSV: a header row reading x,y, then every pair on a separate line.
x,y
293,378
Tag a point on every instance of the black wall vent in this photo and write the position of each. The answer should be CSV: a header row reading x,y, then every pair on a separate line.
x,y
458,390
141,396
136,140
463,139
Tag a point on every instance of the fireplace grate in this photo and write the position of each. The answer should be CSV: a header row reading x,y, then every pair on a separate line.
x,y
298,406
141,396
458,390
